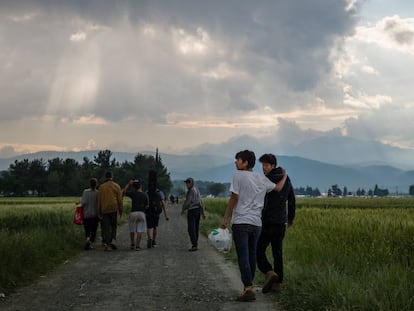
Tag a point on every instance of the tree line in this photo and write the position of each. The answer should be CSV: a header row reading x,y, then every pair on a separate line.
x,y
335,191
67,177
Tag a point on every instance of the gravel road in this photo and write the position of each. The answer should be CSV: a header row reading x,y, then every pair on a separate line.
x,y
167,277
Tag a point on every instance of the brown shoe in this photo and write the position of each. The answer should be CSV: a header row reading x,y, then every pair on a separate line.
x,y
271,277
247,295
277,287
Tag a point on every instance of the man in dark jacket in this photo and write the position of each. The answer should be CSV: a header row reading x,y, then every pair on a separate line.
x,y
274,222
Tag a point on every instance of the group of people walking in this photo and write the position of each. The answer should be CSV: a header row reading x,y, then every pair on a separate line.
x,y
104,207
261,207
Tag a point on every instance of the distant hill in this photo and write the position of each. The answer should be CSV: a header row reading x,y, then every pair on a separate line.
x,y
326,149
303,172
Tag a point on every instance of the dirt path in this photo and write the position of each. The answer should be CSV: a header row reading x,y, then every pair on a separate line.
x,y
164,278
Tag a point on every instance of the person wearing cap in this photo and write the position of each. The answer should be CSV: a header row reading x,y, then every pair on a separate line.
x,y
195,209
274,223
137,222
248,189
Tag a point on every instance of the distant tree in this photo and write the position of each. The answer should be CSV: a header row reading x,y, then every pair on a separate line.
x,y
336,191
411,190
104,163
380,192
360,192
329,192
316,193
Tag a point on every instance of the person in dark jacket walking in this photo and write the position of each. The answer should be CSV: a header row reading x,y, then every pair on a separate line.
x,y
195,209
274,222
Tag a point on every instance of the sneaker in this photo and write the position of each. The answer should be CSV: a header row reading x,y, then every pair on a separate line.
x,y
137,248
149,243
271,278
193,249
132,247
113,246
247,295
154,244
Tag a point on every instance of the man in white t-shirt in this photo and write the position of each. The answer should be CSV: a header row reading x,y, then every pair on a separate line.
x,y
245,205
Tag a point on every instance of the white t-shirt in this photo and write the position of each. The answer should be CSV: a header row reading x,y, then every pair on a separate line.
x,y
251,187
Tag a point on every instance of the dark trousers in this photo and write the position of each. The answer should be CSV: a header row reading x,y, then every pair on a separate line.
x,y
193,224
109,224
91,226
273,235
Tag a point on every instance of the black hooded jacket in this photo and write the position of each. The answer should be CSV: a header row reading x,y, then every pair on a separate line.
x,y
274,210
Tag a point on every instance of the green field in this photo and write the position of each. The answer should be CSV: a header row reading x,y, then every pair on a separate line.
x,y
345,254
341,254
36,235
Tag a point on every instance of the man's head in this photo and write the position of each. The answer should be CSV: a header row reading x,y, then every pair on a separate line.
x,y
189,182
269,162
136,184
245,160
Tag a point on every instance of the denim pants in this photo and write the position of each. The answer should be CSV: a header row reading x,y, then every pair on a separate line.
x,y
272,235
245,239
193,223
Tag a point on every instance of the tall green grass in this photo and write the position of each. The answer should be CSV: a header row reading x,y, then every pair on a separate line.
x,y
36,235
346,254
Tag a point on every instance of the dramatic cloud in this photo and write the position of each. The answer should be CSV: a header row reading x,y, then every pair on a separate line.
x,y
180,73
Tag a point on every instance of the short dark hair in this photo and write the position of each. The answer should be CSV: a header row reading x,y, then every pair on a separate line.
x,y
268,158
108,175
247,155
93,182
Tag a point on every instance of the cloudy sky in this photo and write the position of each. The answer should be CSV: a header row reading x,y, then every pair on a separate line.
x,y
132,75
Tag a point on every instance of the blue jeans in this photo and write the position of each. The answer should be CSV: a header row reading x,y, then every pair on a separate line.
x,y
245,239
193,223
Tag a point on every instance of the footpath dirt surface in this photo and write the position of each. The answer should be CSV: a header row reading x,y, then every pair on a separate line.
x,y
167,277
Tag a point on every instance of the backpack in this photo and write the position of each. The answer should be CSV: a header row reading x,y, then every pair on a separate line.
x,y
155,206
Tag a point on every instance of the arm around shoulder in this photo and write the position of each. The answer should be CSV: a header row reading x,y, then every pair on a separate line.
x,y
281,183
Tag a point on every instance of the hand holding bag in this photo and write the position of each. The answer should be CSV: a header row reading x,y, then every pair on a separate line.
x,y
78,218
221,239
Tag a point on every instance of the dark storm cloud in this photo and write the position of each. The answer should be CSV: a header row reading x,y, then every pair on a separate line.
x,y
284,41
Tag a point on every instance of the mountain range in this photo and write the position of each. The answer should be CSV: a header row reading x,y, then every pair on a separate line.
x,y
360,168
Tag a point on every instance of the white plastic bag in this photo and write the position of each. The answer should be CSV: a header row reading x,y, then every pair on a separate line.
x,y
220,239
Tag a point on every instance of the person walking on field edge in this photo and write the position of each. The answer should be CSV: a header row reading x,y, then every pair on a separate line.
x,y
274,220
156,207
89,204
136,221
109,205
195,209
248,190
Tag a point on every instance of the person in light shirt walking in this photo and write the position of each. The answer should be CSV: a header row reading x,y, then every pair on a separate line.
x,y
245,205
